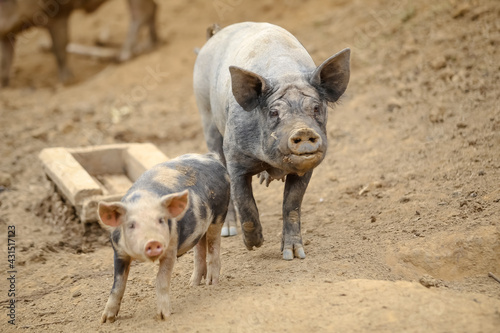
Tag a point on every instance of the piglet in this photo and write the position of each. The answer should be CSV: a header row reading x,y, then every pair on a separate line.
x,y
171,208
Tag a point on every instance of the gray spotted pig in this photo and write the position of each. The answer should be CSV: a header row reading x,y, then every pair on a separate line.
x,y
171,208
264,104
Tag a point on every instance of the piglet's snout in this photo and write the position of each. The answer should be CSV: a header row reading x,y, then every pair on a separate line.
x,y
304,141
153,249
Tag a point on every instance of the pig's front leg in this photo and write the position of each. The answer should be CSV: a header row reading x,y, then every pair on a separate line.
x,y
7,54
163,284
291,242
122,267
246,209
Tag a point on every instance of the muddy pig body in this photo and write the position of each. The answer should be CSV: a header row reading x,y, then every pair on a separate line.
x,y
171,208
264,104
19,15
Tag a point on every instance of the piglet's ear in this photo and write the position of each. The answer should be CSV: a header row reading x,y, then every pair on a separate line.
x,y
247,87
109,214
176,204
332,76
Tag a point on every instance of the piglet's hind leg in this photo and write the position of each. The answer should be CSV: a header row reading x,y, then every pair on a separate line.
x,y
200,263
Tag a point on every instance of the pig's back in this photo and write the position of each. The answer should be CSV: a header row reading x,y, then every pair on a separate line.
x,y
204,175
262,48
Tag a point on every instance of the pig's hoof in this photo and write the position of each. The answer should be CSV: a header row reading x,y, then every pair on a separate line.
x,y
163,311
252,236
298,252
107,318
254,240
231,231
163,315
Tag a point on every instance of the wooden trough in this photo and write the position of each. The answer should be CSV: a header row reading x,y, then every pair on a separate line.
x,y
85,176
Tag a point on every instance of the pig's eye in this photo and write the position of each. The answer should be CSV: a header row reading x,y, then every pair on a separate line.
x,y
316,109
131,225
161,220
274,113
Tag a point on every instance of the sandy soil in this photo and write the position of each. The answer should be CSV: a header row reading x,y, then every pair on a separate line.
x,y
401,221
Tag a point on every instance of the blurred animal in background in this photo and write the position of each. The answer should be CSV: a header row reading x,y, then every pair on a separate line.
x,y
19,15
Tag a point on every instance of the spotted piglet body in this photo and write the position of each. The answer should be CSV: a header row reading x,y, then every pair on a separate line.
x,y
171,208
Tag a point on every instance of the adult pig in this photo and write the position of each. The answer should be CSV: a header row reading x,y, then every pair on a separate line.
x,y
171,208
264,104
19,15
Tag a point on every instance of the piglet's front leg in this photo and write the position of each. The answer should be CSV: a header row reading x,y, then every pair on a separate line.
x,y
163,284
122,268
291,243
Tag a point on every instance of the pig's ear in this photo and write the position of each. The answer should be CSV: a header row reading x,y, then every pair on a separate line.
x,y
109,214
332,76
176,204
247,87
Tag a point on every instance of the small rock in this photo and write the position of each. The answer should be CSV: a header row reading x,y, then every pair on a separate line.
x,y
438,63
77,293
404,200
428,281
5,179
461,11
393,104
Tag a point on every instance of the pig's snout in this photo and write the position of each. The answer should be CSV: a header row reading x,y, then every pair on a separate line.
x,y
153,249
304,141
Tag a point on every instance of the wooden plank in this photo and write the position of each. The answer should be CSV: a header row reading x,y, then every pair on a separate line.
x,y
139,158
69,176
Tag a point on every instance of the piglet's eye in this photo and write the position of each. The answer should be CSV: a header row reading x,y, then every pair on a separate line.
x,y
131,225
161,220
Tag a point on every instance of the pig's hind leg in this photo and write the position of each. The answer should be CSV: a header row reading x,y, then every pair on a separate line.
x,y
200,263
58,30
214,143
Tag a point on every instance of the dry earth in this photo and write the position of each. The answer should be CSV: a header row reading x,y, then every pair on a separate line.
x,y
401,221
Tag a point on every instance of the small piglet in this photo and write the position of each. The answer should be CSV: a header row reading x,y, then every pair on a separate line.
x,y
170,209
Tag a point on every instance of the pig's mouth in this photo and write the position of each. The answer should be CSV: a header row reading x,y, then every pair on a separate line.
x,y
304,162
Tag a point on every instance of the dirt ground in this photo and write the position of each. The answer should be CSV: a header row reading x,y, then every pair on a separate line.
x,y
401,222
